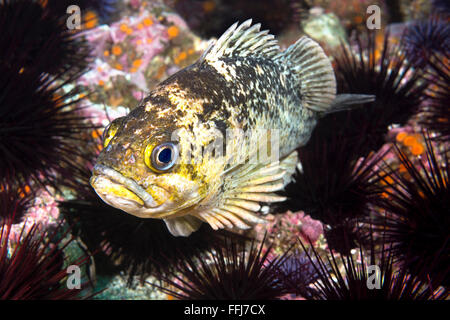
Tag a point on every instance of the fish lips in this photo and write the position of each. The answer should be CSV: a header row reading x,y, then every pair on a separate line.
x,y
135,199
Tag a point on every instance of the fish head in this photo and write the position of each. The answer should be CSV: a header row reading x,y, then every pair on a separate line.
x,y
139,170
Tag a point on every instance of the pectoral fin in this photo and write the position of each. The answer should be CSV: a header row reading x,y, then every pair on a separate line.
x,y
183,226
245,188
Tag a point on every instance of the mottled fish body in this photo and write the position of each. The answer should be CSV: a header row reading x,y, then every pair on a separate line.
x,y
163,160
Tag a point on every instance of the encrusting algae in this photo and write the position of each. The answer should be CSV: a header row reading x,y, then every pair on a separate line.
x,y
169,158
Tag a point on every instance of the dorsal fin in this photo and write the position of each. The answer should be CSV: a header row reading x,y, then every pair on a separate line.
x,y
242,40
315,73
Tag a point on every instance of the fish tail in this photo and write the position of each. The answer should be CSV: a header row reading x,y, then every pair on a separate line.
x,y
313,69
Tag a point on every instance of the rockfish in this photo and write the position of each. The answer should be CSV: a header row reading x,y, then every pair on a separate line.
x,y
191,153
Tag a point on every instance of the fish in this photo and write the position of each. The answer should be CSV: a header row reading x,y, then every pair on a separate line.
x,y
217,140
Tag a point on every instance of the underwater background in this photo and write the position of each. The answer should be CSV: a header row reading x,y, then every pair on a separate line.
x,y
372,192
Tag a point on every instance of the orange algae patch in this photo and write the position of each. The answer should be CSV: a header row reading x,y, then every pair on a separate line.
x,y
123,27
181,56
137,63
409,141
25,191
116,50
90,20
148,22
401,136
173,31
417,149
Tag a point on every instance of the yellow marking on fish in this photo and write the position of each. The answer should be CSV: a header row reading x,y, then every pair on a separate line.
x,y
164,113
121,192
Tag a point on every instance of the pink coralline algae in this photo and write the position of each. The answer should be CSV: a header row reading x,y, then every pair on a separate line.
x,y
285,229
44,211
310,229
136,53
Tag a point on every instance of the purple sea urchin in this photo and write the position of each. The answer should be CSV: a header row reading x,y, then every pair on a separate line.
x,y
436,109
297,273
423,39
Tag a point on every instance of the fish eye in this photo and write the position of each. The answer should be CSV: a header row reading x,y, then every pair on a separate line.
x,y
162,157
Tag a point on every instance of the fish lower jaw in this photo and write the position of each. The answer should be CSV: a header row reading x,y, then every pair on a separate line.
x,y
134,205
107,181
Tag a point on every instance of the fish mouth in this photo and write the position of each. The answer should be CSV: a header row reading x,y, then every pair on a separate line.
x,y
128,195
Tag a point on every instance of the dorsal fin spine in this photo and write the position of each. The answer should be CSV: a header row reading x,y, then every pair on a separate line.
x,y
242,40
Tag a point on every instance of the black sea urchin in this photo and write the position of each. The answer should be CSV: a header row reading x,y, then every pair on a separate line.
x,y
32,37
334,185
33,269
14,202
39,126
384,72
417,218
231,272
367,275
